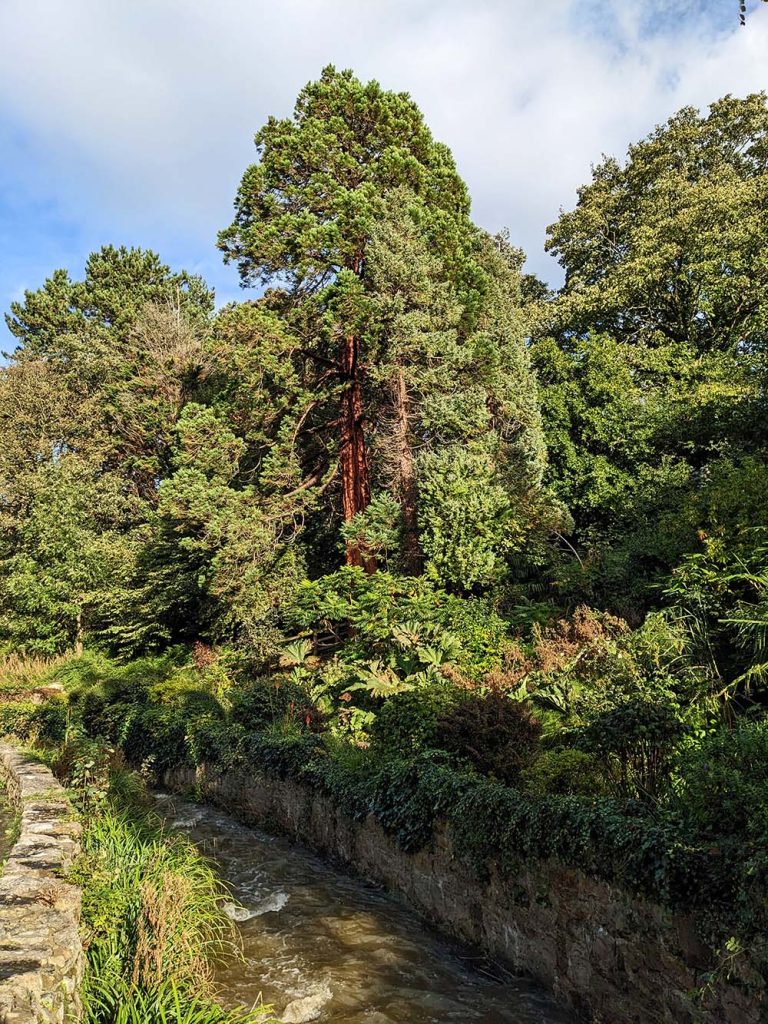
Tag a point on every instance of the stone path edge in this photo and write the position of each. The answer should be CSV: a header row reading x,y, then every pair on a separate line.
x,y
41,955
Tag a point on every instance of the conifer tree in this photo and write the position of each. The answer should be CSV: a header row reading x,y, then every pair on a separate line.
x,y
305,214
404,317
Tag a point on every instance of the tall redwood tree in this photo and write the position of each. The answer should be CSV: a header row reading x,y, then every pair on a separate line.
x,y
305,213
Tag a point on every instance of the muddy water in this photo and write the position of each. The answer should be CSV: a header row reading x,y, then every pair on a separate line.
x,y
321,946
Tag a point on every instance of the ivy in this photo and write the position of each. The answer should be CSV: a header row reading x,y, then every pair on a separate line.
x,y
621,842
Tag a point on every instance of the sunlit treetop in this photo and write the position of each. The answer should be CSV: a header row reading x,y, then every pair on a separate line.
x,y
670,243
306,210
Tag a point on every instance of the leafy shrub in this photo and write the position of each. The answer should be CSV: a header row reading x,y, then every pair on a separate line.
x,y
468,519
409,722
564,772
216,743
722,784
84,764
146,707
190,692
259,702
482,632
32,721
103,693
155,736
635,739
16,718
92,670
361,615
377,530
49,721
496,735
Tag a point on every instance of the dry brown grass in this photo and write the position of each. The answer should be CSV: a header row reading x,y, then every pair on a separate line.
x,y
166,946
20,673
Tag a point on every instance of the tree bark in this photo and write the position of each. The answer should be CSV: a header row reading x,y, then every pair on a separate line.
x,y
79,632
355,476
406,478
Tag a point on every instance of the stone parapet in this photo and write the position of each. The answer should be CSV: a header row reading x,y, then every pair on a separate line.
x,y
41,956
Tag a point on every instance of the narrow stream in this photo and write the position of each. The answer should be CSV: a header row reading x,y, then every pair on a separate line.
x,y
322,946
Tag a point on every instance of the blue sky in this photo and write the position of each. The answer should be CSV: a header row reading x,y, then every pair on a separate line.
x,y
131,123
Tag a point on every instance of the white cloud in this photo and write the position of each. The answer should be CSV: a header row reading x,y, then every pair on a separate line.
x,y
147,110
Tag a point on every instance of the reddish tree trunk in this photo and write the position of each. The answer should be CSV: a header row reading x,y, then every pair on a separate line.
x,y
406,479
355,479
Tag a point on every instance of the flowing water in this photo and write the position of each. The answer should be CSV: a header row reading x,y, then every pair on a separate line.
x,y
322,946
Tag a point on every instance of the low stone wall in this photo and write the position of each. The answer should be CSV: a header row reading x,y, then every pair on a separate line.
x,y
606,955
41,957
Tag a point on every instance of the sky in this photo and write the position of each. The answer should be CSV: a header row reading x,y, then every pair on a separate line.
x,y
132,123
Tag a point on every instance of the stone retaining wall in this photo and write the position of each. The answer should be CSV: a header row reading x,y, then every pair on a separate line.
x,y
610,957
41,958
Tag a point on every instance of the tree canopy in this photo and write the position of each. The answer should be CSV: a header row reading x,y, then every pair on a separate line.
x,y
400,396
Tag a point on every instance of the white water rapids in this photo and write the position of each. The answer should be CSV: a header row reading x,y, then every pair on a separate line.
x,y
319,945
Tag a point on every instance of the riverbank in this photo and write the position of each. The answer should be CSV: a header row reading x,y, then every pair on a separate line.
x,y
624,909
605,954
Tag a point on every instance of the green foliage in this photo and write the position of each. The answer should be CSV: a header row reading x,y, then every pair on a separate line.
x,y
53,586
654,380
386,615
467,515
16,718
310,203
497,736
409,723
389,635
377,529
233,547
679,254
260,702
564,772
113,1000
635,738
153,924
617,694
722,782
148,707
33,721
719,595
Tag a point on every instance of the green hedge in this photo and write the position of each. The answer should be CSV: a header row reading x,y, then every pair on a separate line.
x,y
29,720
624,843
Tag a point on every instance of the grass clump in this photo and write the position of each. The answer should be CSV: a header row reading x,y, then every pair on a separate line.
x,y
153,925
119,1002
153,922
